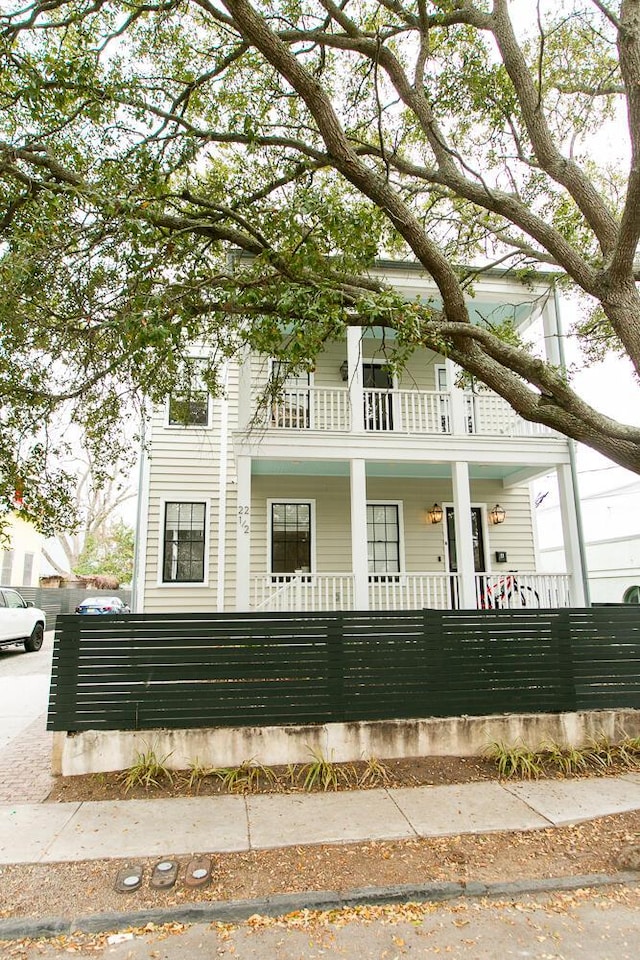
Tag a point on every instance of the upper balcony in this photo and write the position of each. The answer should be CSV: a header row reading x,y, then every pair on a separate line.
x,y
397,411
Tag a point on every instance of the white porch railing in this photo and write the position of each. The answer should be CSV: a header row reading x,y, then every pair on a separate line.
x,y
515,590
408,591
426,412
413,591
311,408
303,591
489,415
407,411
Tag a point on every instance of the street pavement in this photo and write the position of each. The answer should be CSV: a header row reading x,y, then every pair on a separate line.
x,y
583,925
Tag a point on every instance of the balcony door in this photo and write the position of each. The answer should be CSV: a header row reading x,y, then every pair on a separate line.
x,y
378,397
479,556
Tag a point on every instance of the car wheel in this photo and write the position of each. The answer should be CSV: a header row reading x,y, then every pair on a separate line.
x,y
35,640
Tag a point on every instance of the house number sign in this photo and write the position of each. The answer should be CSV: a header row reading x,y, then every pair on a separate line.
x,y
243,518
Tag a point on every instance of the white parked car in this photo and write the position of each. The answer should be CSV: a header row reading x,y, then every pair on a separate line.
x,y
20,621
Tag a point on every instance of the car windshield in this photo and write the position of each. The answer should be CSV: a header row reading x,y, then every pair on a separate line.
x,y
98,601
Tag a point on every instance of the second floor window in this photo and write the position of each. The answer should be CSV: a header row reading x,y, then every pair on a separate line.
x,y
189,403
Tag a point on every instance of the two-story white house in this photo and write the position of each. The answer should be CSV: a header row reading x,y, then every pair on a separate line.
x,y
356,489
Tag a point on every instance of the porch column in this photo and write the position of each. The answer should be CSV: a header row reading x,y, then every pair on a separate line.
x,y
552,345
464,534
458,425
243,533
359,559
571,534
355,383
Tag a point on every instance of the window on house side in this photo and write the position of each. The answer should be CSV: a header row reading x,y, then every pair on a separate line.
x,y
184,541
7,566
189,404
383,538
290,537
189,410
27,570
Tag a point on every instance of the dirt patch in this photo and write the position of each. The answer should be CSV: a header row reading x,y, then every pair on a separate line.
x,y
68,890
408,772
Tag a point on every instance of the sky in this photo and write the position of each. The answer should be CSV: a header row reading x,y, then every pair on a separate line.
x,y
610,387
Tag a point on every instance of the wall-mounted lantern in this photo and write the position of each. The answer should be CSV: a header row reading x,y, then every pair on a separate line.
x,y
434,514
497,514
344,370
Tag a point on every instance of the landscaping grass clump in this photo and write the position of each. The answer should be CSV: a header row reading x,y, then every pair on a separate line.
x,y
375,774
196,774
629,751
246,778
322,772
599,754
517,760
146,771
566,760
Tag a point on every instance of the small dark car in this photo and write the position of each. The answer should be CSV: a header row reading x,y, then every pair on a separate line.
x,y
102,605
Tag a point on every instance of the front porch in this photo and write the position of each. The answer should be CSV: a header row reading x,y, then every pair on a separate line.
x,y
356,535
408,591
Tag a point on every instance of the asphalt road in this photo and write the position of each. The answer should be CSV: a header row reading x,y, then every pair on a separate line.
x,y
585,925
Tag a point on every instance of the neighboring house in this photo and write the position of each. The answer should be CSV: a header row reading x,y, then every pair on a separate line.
x,y
21,556
611,519
356,489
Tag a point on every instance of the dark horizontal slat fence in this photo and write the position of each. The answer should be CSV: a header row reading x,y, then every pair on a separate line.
x,y
205,670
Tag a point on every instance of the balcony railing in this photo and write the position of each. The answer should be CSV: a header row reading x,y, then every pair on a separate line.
x,y
426,412
489,415
311,408
407,591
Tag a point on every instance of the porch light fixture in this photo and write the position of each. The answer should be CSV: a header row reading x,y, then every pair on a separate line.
x,y
344,370
497,514
434,514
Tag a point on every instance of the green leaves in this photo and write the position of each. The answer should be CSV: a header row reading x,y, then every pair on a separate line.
x,y
141,145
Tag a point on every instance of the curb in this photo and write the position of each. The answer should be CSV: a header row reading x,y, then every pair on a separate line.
x,y
236,911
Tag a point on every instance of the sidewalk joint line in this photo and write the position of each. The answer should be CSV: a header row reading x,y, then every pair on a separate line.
x,y
530,806
401,811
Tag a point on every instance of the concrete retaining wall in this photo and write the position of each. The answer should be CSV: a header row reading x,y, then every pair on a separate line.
x,y
101,751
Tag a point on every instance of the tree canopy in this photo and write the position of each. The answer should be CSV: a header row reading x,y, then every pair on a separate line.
x,y
142,143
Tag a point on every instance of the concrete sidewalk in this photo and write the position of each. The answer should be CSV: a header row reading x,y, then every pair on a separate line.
x,y
62,832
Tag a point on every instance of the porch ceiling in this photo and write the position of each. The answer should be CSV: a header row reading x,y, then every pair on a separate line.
x,y
507,473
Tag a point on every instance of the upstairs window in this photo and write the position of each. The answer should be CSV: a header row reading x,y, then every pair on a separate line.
x,y
7,566
189,405
27,574
184,543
